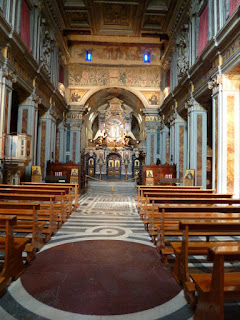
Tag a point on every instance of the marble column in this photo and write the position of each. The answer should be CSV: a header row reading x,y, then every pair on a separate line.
x,y
46,139
178,143
7,78
27,123
152,123
226,133
164,144
197,141
62,141
74,124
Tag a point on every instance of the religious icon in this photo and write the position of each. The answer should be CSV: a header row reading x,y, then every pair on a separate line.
x,y
110,163
189,174
149,173
117,163
75,97
153,100
74,172
136,163
91,162
36,170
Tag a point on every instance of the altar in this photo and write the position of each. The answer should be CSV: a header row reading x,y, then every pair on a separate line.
x,y
114,149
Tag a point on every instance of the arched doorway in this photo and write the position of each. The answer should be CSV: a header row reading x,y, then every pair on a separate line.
x,y
114,165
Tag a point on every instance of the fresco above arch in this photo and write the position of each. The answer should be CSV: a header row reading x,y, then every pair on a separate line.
x,y
115,54
152,97
136,77
76,94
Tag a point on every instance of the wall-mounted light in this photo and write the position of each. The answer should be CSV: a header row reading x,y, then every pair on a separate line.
x,y
88,55
147,56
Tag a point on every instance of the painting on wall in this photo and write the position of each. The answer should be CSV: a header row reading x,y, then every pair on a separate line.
x,y
36,170
76,95
120,76
152,97
118,54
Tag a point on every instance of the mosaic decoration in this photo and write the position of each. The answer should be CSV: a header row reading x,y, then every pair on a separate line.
x,y
76,95
147,77
115,54
152,97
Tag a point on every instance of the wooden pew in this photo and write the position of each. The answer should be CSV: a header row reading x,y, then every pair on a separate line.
x,y
173,193
66,189
26,214
180,189
59,205
173,213
12,247
72,186
203,227
47,215
213,288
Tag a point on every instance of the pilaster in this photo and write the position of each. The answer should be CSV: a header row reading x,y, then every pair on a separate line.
x,y
152,123
74,123
197,141
27,123
46,139
7,78
226,133
178,143
164,143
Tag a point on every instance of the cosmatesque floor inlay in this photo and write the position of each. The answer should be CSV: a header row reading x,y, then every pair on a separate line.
x,y
101,265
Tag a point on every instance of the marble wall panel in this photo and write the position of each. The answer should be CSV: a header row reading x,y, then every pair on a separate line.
x,y
167,149
6,112
43,146
216,143
24,120
199,149
152,148
181,152
230,144
74,146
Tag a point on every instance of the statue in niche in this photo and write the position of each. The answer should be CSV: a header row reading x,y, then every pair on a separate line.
x,y
182,59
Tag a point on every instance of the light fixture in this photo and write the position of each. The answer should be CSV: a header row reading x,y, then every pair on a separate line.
x,y
88,55
147,56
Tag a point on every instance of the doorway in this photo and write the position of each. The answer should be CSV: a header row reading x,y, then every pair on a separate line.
x,y
114,166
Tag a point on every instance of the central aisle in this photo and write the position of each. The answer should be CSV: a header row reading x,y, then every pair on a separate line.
x,y
100,265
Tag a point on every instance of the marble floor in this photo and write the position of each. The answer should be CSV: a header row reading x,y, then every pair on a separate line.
x,y
101,265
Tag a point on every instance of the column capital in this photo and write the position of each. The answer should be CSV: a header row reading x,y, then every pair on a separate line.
x,y
215,82
9,75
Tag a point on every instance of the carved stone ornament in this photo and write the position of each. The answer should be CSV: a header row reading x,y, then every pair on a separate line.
x,y
215,82
36,98
189,103
9,75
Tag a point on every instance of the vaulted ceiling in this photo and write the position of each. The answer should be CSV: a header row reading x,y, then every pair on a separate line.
x,y
131,18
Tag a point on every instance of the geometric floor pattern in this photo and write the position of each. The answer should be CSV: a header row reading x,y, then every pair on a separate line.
x,y
101,265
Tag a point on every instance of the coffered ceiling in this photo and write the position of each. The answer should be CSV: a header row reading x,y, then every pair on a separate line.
x,y
129,18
